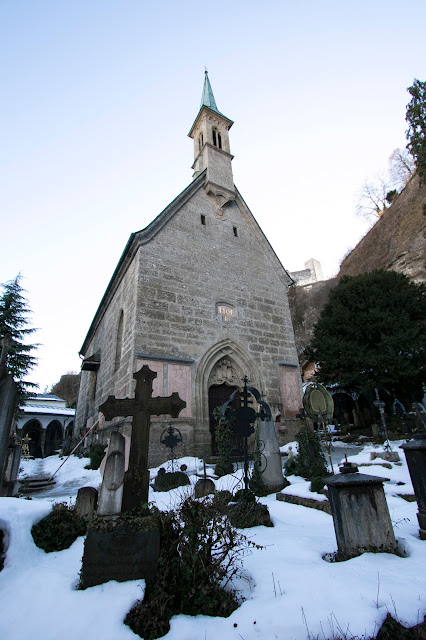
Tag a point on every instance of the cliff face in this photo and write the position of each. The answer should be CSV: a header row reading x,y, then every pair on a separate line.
x,y
398,239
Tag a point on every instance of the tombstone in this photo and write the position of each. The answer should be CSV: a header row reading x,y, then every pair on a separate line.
x,y
271,467
360,513
111,491
141,407
85,504
205,486
121,554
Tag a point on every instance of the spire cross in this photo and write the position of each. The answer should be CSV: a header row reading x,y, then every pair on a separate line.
x,y
141,407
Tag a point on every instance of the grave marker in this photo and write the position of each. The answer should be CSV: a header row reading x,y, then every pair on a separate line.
x,y
141,407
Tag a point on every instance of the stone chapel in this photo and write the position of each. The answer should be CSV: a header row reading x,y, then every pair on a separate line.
x,y
200,297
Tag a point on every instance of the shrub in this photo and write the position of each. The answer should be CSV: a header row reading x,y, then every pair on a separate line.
x,y
221,499
173,480
247,512
290,466
317,484
310,461
223,434
96,455
200,554
59,529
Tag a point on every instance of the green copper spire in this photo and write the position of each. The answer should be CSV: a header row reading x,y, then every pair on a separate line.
x,y
207,98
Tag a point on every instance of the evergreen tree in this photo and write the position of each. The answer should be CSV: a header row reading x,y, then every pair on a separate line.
x,y
416,132
371,334
310,461
14,313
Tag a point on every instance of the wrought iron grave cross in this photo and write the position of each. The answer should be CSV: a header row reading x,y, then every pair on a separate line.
x,y
141,407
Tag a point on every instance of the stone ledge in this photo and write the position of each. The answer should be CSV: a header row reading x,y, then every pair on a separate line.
x,y
305,502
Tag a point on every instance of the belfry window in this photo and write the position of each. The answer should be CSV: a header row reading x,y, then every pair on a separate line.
x,y
219,140
215,137
200,142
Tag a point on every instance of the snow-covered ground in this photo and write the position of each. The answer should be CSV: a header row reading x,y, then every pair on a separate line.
x,y
290,593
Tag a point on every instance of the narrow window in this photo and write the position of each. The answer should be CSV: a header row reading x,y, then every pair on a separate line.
x,y
236,232
214,138
203,220
202,139
219,140
119,342
200,144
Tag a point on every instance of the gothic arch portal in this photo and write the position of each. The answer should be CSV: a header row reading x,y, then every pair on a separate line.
x,y
223,363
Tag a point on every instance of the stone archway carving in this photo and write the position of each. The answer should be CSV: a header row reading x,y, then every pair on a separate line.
x,y
225,371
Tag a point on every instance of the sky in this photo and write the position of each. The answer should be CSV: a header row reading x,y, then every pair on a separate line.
x,y
98,97
290,592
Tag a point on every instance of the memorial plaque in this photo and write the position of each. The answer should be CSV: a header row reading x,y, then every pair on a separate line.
x,y
122,554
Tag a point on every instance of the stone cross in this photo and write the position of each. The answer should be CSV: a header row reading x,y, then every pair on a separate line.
x,y
141,407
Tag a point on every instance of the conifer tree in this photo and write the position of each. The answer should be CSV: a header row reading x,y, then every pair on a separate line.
x,y
416,132
14,331
371,334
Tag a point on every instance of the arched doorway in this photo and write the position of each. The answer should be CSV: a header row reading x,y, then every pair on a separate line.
x,y
53,439
224,363
32,429
225,378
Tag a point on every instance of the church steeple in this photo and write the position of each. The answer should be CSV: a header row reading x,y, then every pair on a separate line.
x,y
207,98
211,146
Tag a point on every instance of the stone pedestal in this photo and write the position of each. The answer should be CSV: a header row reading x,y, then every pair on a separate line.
x,y
415,453
360,513
121,554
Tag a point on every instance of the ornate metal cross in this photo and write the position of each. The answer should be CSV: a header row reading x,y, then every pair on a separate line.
x,y
246,418
141,407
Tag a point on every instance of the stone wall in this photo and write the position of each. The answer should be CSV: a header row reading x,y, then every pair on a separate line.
x,y
110,379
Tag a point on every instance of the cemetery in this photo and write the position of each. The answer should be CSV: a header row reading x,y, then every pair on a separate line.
x,y
299,541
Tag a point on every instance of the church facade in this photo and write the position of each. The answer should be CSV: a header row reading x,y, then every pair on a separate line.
x,y
201,298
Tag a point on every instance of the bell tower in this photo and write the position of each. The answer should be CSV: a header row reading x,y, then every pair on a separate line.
x,y
210,133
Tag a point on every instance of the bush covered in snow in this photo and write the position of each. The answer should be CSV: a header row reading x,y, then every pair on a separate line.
x,y
59,529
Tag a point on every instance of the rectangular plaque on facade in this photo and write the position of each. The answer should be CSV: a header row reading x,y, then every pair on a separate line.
x,y
122,554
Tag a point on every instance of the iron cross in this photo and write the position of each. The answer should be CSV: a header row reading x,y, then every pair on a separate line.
x,y
141,407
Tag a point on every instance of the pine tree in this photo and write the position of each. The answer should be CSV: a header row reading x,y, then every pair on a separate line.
x,y
14,331
371,334
416,132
